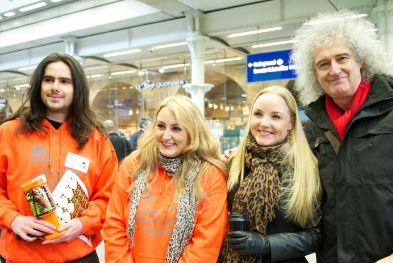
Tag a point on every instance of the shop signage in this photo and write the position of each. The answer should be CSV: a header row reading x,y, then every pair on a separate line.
x,y
148,85
270,66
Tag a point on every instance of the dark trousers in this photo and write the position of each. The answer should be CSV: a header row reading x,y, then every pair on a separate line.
x,y
90,258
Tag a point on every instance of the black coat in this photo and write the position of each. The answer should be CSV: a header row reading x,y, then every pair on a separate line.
x,y
121,145
289,243
358,182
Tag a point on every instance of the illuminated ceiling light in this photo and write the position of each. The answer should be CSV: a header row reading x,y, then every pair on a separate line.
x,y
122,53
334,19
244,95
227,59
9,14
17,87
176,66
123,72
1,17
130,112
96,76
137,111
93,68
27,68
141,73
31,7
255,32
274,43
55,1
170,45
161,70
222,60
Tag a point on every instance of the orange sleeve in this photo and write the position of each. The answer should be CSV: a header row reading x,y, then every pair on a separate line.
x,y
93,217
8,211
210,227
117,244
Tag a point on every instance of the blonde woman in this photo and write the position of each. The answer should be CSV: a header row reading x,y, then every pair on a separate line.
x,y
169,201
274,181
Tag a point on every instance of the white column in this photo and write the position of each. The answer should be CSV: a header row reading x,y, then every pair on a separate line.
x,y
383,16
197,44
70,47
197,92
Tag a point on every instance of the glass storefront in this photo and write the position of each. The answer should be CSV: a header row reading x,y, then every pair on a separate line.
x,y
124,98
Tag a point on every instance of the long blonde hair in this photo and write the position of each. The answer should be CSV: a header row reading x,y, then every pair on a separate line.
x,y
301,189
201,145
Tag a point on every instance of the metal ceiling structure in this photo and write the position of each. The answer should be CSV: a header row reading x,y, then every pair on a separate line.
x,y
89,29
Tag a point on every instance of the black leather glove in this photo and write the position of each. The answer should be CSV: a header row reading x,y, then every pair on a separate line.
x,y
248,243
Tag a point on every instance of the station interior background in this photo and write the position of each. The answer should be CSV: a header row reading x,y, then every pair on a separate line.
x,y
126,46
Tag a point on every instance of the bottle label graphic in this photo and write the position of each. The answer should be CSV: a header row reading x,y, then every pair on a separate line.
x,y
40,200
42,203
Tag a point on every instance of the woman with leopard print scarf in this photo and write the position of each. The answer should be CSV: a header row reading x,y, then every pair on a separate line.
x,y
274,181
169,201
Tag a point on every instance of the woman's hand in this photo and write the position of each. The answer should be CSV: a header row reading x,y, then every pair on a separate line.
x,y
248,243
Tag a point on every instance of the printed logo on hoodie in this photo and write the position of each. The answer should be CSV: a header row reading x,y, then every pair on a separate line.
x,y
40,154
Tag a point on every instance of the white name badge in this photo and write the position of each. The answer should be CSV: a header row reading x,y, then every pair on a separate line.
x,y
77,162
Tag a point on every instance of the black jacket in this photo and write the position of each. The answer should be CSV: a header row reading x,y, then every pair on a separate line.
x,y
289,243
358,181
121,145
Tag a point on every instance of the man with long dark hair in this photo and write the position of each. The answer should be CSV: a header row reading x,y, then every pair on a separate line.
x,y
54,130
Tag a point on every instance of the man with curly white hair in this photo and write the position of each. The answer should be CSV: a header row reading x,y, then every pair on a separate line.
x,y
346,77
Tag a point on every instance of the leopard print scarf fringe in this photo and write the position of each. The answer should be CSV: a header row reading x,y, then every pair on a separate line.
x,y
186,210
258,194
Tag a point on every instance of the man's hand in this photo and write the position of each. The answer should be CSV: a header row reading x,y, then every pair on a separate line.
x,y
29,225
388,259
248,243
73,229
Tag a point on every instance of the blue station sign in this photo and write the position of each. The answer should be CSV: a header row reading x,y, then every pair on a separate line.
x,y
270,66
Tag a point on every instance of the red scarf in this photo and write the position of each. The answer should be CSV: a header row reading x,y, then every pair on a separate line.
x,y
340,121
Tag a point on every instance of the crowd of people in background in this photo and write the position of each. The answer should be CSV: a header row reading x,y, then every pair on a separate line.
x,y
164,196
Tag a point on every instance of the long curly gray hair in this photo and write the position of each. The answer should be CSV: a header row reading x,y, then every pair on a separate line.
x,y
322,29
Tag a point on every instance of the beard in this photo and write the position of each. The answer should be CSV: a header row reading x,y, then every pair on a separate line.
x,y
58,106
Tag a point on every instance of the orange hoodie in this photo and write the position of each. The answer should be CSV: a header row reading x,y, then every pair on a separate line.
x,y
155,219
22,159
